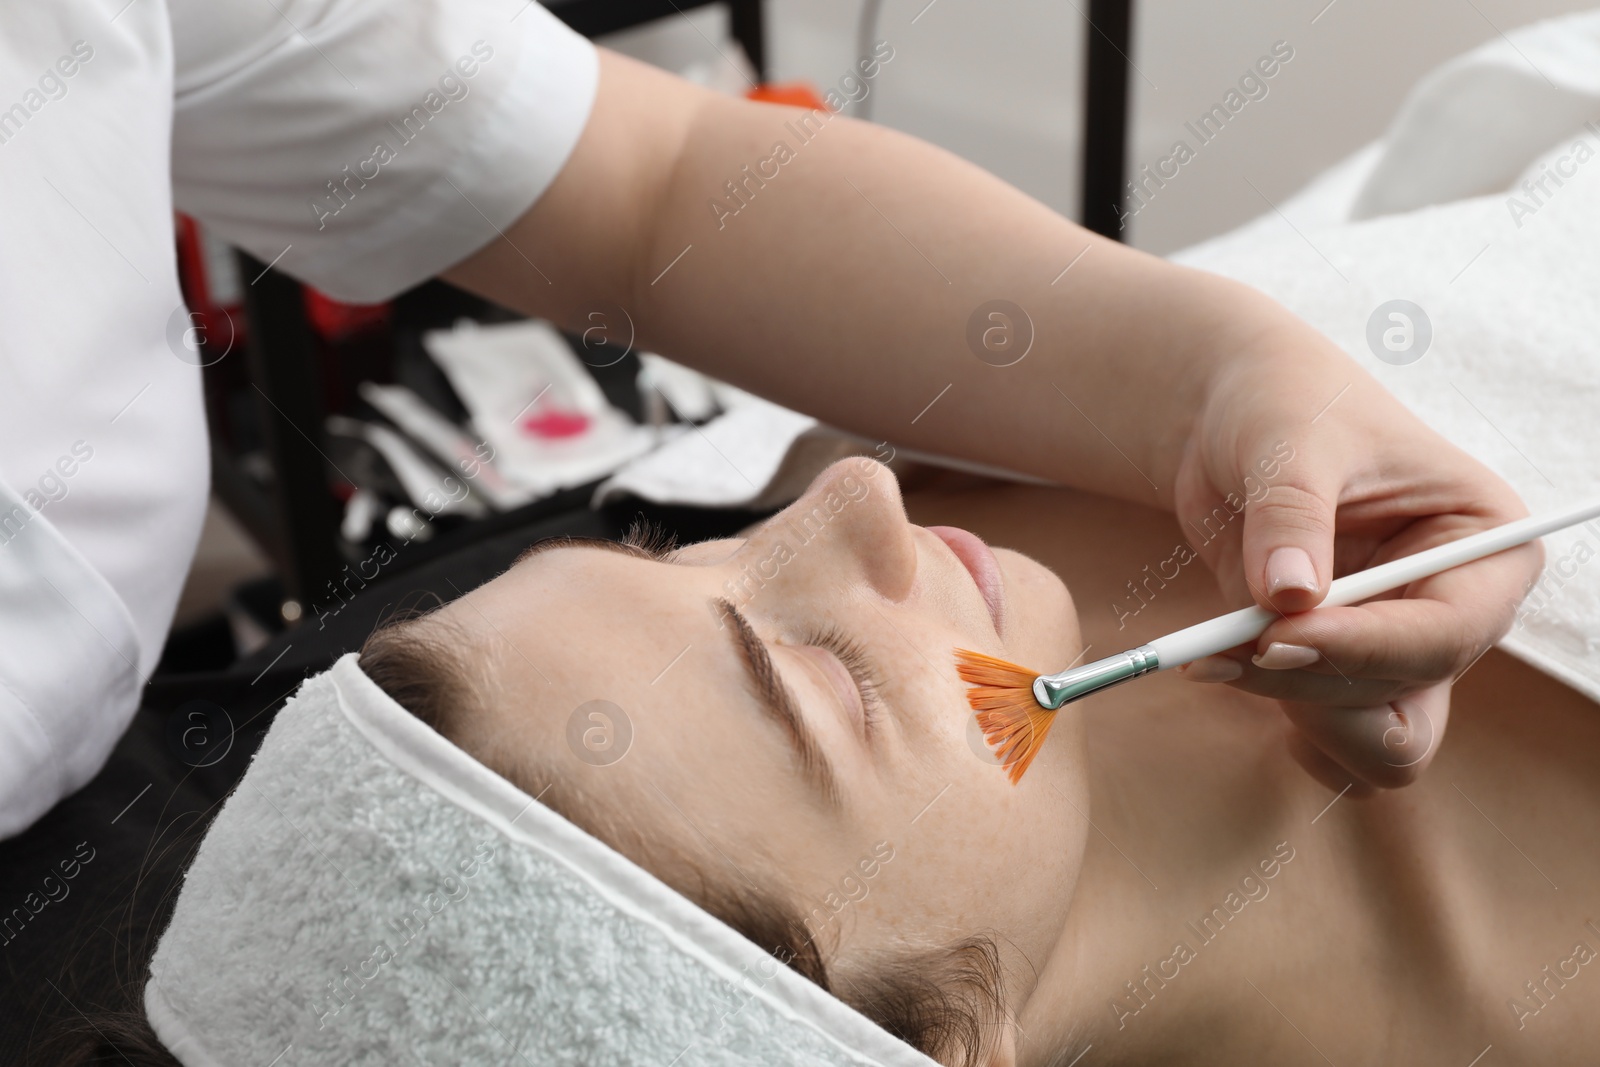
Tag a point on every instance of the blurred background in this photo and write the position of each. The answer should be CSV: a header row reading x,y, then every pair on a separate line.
x,y
1001,83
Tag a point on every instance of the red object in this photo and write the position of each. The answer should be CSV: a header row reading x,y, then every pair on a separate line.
x,y
555,422
795,94
212,293
334,320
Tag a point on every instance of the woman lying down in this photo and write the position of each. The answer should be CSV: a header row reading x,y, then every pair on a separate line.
x,y
726,803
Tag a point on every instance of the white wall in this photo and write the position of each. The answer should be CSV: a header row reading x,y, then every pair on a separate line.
x,y
999,83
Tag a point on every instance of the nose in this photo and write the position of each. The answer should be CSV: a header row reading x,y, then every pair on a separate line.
x,y
849,525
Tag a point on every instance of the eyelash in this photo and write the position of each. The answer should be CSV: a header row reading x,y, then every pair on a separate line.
x,y
855,660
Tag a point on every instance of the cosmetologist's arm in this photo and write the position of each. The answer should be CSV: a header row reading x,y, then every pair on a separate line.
x,y
850,271
841,279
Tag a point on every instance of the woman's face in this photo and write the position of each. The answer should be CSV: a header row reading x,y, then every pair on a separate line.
x,y
784,709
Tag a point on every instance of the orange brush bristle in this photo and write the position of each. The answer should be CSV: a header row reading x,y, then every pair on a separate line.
x,y
1013,723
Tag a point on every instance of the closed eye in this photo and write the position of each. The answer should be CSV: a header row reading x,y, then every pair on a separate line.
x,y
653,539
854,656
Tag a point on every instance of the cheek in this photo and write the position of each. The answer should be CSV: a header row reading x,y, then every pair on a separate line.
x,y
958,785
1040,830
1042,630
1023,842
986,856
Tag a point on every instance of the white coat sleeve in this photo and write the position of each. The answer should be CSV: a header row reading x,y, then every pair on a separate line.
x,y
371,144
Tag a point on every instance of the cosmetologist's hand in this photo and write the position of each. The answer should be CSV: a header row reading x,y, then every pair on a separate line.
x,y
1333,476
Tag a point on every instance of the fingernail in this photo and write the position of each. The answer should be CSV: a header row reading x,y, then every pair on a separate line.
x,y
1290,568
1281,656
1212,669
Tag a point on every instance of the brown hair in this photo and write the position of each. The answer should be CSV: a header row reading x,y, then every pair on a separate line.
x,y
120,1037
947,1002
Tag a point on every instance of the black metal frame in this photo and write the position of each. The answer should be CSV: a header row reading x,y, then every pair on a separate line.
x,y
283,369
1105,115
297,522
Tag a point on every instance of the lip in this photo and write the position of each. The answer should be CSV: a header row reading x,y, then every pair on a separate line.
x,y
979,561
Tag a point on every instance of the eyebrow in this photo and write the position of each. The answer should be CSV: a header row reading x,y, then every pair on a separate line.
x,y
778,701
626,548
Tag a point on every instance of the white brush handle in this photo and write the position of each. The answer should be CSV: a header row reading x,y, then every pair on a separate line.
x,y
1226,631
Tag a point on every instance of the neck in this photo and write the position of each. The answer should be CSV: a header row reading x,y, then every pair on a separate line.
x,y
1202,867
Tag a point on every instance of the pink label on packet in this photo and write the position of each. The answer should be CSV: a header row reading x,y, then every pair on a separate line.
x,y
555,422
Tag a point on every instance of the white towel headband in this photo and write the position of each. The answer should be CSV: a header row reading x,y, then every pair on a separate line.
x,y
371,894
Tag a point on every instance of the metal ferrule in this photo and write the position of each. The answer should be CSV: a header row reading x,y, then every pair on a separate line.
x,y
1075,683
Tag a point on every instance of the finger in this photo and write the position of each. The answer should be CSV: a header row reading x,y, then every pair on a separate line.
x,y
1317,684
1385,745
1318,765
1384,649
1213,530
1384,640
1288,543
1435,631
